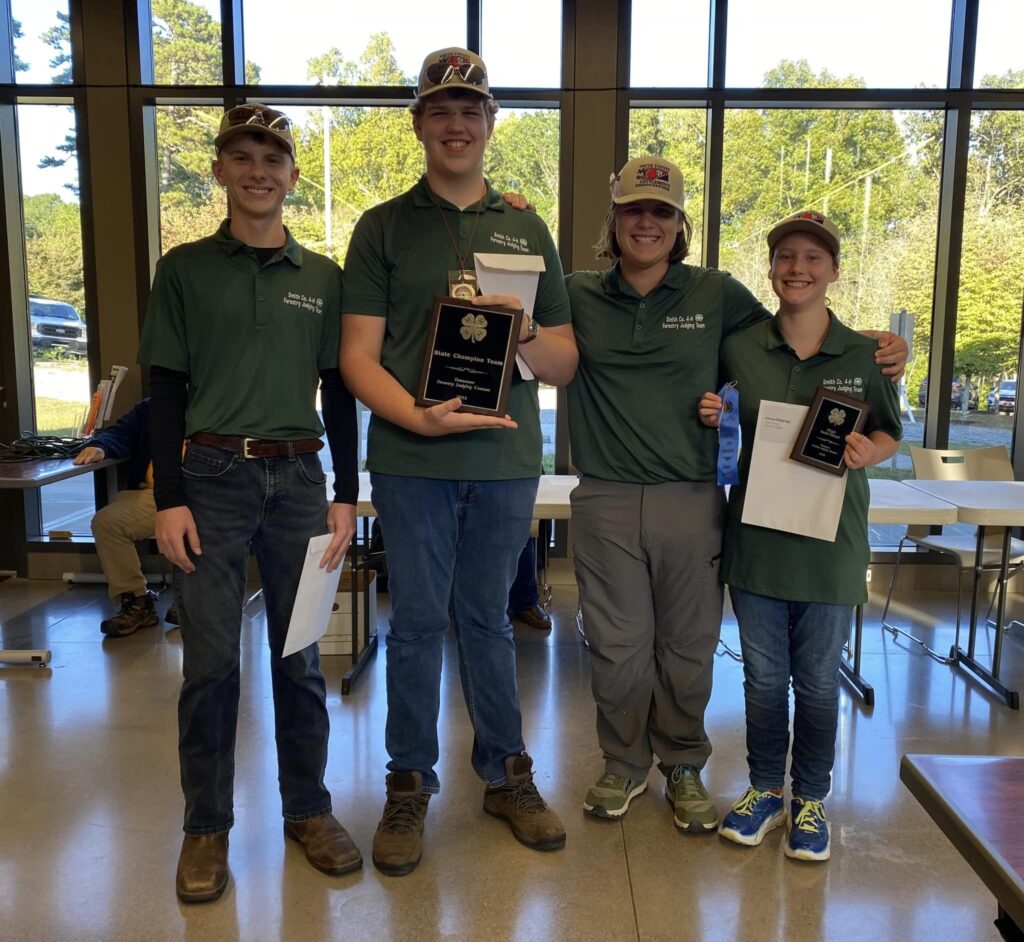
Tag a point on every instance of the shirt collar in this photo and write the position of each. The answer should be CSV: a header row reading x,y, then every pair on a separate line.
x,y
833,345
423,196
232,246
613,283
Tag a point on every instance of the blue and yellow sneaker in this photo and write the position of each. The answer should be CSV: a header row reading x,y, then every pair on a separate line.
x,y
753,816
808,831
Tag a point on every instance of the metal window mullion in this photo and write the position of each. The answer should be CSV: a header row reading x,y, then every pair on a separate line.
x,y
16,350
949,237
139,42
6,45
474,25
711,235
233,46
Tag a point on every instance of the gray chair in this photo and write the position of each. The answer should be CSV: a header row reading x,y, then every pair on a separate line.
x,y
971,464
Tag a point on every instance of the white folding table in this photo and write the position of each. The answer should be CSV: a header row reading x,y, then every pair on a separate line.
x,y
992,504
891,502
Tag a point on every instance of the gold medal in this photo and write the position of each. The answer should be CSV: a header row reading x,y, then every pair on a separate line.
x,y
462,284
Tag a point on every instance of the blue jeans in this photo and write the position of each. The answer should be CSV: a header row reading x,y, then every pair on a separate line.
x,y
802,641
524,593
271,506
453,547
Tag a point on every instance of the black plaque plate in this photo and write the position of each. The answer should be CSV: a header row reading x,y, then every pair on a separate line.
x,y
470,353
822,438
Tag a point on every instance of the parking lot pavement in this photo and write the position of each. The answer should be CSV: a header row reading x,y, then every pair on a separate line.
x,y
60,380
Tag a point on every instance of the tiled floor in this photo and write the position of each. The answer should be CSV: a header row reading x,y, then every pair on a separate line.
x,y
90,824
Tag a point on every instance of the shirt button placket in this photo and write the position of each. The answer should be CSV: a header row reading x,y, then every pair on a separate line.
x,y
260,302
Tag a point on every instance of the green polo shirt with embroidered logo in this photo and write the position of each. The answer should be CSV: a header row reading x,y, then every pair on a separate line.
x,y
251,337
644,364
398,260
787,565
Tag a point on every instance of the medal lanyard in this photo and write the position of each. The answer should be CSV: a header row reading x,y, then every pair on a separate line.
x,y
455,245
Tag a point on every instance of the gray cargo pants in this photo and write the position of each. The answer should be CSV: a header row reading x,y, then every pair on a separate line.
x,y
647,561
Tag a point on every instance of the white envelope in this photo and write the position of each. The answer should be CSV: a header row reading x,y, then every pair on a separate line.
x,y
313,599
783,494
497,273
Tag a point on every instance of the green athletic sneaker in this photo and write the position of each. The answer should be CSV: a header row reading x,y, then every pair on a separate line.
x,y
694,810
610,795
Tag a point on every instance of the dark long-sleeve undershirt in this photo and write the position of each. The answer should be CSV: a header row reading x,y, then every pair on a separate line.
x,y
169,403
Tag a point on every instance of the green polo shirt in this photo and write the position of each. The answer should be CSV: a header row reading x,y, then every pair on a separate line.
x,y
397,261
787,565
251,337
644,364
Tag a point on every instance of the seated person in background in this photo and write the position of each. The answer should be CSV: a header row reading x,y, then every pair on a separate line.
x,y
129,517
524,598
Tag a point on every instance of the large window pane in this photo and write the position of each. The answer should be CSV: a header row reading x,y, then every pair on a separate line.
x,y
523,157
502,47
988,319
999,60
191,203
679,135
42,41
53,256
873,173
867,43
187,42
669,43
347,44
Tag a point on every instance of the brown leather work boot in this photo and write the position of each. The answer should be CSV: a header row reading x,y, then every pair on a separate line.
x,y
398,843
327,844
519,803
202,867
137,612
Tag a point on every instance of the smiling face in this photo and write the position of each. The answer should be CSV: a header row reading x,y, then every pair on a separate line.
x,y
454,129
646,231
802,269
258,174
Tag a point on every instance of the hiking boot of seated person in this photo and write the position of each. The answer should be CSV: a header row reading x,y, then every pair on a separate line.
x,y
137,611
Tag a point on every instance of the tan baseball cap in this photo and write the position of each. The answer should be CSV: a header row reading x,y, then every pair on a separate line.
x,y
648,178
254,118
453,67
808,221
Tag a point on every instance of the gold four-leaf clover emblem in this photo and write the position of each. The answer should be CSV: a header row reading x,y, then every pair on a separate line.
x,y
837,416
474,327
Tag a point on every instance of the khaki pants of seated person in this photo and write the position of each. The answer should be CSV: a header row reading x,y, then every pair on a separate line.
x,y
130,516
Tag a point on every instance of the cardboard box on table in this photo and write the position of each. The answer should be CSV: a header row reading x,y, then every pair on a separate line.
x,y
338,638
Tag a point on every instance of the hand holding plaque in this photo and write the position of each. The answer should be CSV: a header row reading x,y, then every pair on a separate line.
x,y
470,353
821,440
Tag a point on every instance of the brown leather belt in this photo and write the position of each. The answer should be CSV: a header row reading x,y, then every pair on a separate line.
x,y
257,447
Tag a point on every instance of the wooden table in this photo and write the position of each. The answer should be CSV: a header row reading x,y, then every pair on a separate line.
x,y
976,802
22,475
993,504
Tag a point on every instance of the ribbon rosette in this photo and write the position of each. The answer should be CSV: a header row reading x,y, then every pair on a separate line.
x,y
474,327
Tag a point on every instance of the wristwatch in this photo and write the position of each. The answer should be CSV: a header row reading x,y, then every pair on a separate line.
x,y
531,333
